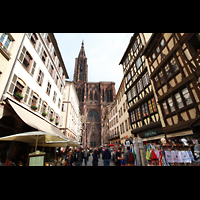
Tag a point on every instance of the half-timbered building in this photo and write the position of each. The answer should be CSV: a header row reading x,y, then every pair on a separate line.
x,y
174,66
142,108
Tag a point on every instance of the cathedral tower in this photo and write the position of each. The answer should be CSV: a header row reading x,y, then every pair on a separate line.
x,y
93,98
81,67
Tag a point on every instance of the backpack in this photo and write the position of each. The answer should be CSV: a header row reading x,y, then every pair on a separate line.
x,y
131,158
114,158
79,157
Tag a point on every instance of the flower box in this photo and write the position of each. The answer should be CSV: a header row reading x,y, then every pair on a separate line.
x,y
51,119
18,96
44,114
57,123
34,107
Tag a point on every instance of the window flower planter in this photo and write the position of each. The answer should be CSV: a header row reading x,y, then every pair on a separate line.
x,y
34,107
18,96
44,114
51,119
57,123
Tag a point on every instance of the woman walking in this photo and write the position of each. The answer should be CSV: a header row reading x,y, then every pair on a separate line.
x,y
69,161
95,159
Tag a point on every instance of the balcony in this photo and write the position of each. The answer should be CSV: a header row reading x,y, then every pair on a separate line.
x,y
5,52
113,137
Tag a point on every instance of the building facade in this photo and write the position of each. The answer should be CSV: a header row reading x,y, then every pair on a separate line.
x,y
33,90
123,115
174,68
70,122
113,120
142,107
9,47
93,98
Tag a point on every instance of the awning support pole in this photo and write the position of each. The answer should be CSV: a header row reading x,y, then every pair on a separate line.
x,y
36,142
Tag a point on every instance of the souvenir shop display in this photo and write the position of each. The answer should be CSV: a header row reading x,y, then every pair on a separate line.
x,y
171,153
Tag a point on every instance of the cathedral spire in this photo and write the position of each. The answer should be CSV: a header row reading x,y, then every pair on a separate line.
x,y
82,51
81,67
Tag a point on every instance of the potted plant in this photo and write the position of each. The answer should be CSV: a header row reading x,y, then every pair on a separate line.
x,y
57,123
34,107
51,119
44,114
18,95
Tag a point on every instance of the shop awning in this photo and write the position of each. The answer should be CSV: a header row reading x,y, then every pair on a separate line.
x,y
35,121
154,137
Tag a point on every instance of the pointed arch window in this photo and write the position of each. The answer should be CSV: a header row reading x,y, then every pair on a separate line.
x,y
95,96
91,98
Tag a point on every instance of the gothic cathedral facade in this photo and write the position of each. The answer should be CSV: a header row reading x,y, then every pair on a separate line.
x,y
94,98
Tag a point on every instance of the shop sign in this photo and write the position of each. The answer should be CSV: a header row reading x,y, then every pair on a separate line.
x,y
150,133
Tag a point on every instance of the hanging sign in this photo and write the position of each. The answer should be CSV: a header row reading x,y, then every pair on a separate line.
x,y
150,133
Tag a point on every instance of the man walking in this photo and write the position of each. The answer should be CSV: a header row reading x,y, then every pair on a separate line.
x,y
78,157
86,155
106,157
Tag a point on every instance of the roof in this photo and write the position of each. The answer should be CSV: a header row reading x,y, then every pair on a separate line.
x,y
128,47
53,39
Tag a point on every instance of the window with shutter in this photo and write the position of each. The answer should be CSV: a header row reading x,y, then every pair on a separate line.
x,y
33,68
48,111
39,104
40,77
30,98
22,55
39,47
12,85
26,94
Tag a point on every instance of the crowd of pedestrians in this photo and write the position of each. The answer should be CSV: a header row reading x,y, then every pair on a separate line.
x,y
76,157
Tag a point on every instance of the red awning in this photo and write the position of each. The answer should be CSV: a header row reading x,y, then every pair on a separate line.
x,y
109,145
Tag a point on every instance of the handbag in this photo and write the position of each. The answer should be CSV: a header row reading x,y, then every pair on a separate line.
x,y
95,157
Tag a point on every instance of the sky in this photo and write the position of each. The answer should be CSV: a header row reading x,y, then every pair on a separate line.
x,y
103,51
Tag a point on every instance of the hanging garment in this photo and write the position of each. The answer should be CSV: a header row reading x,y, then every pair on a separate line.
x,y
185,157
177,158
169,157
191,155
162,159
148,154
153,155
157,152
173,156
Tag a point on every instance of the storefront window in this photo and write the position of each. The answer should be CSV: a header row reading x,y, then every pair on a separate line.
x,y
162,43
133,116
167,71
187,96
174,64
139,115
154,105
162,80
165,108
179,100
156,81
145,110
171,104
150,106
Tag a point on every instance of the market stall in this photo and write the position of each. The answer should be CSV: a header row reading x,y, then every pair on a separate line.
x,y
176,152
